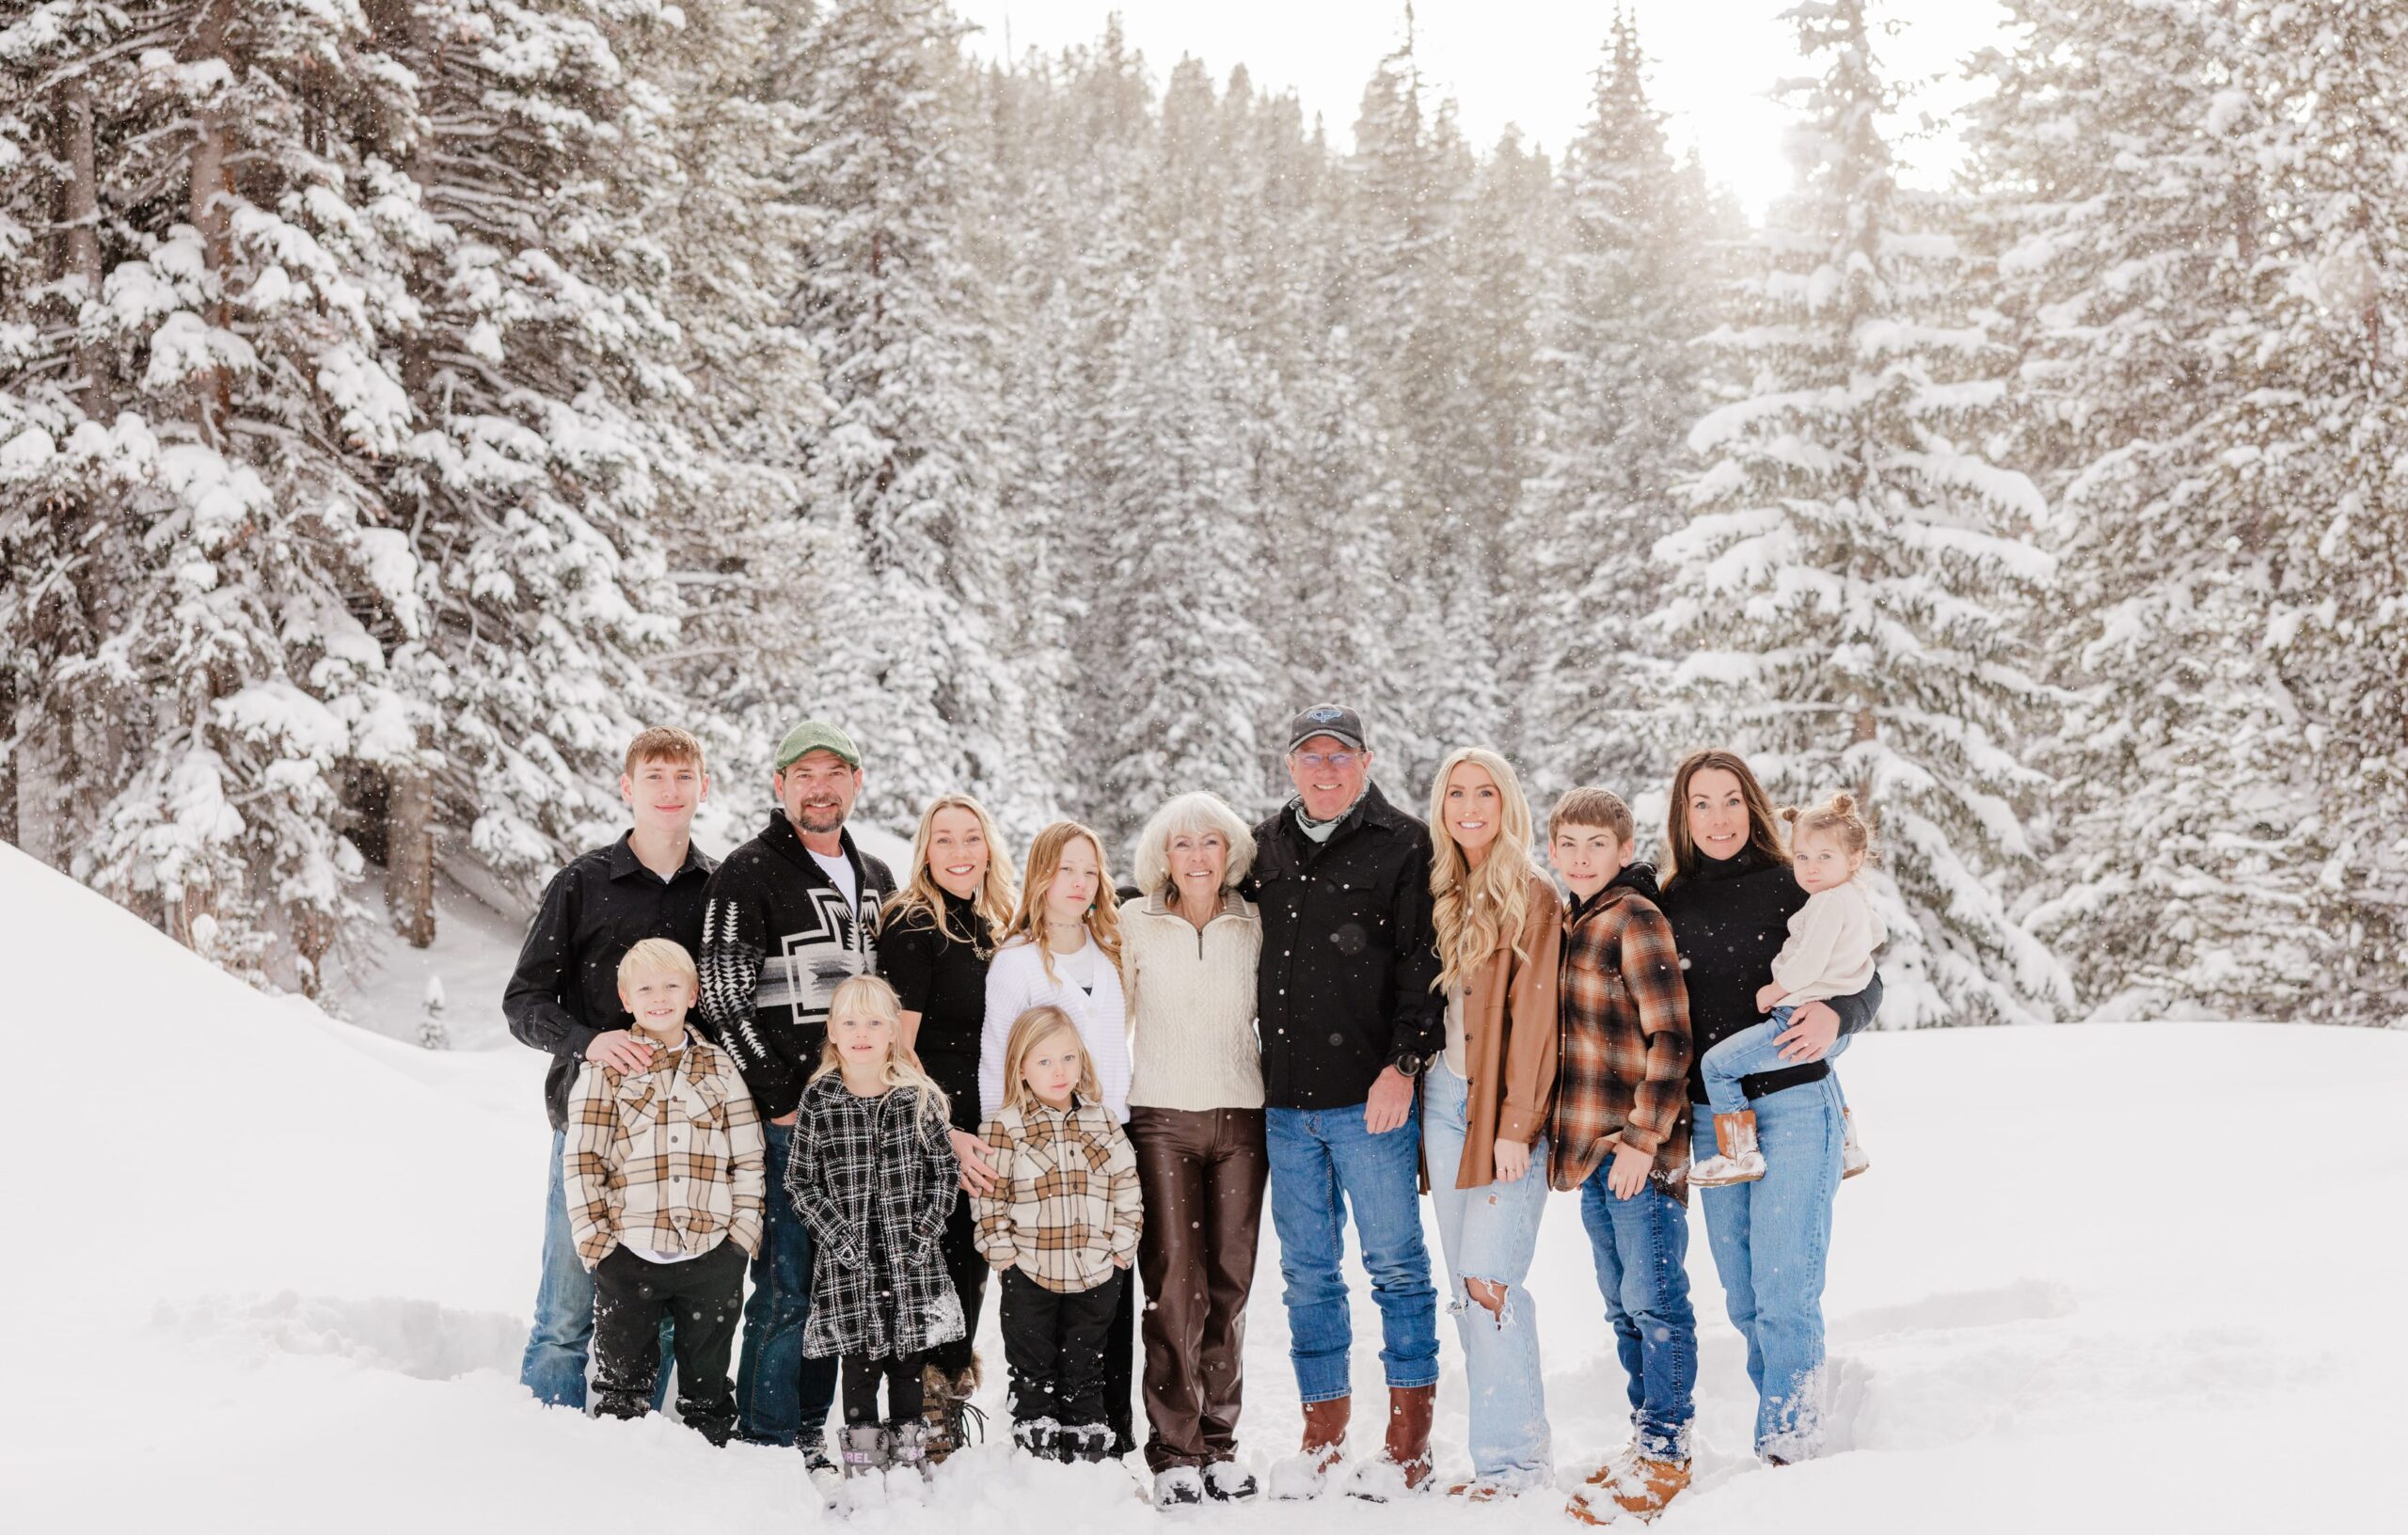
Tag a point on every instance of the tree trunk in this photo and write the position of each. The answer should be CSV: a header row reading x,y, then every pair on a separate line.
x,y
10,747
81,256
409,852
212,210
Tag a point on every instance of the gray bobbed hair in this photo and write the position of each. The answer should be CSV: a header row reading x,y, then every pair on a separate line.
x,y
1191,813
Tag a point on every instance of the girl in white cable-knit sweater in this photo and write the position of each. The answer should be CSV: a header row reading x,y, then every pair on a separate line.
x,y
1830,954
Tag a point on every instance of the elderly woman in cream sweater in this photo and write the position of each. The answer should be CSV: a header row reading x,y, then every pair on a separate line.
x,y
1189,947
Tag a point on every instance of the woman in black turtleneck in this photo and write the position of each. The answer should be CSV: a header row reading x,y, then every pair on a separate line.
x,y
933,943
1729,897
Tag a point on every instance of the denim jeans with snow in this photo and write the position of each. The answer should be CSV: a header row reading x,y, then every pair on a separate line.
x,y
1770,1240
1745,1053
1322,1163
1640,1245
558,1345
1490,1233
779,1393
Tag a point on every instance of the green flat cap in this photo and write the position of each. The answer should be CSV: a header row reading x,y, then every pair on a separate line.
x,y
816,736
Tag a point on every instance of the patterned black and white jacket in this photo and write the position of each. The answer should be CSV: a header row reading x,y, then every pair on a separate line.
x,y
778,938
874,1178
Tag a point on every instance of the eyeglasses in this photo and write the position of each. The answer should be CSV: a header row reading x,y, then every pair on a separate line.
x,y
1316,761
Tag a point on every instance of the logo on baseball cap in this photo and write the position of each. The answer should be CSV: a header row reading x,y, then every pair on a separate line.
x,y
1326,719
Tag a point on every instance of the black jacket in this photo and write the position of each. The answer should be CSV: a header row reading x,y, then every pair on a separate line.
x,y
565,989
1730,918
1348,952
944,981
777,940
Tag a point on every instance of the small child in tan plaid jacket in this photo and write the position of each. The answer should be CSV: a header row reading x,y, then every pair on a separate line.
x,y
665,1175
1062,1223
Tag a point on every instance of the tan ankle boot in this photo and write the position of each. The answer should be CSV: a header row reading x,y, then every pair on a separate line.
x,y
1852,1158
1302,1474
1740,1162
1635,1487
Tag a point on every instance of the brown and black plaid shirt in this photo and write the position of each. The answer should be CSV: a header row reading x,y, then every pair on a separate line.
x,y
1067,1199
666,1159
1621,1075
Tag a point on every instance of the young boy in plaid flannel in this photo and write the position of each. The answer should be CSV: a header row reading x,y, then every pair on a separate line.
x,y
1062,1223
1620,1138
664,1172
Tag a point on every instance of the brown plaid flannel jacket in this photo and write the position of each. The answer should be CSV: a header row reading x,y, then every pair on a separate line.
x,y
669,1158
1067,1199
1621,1075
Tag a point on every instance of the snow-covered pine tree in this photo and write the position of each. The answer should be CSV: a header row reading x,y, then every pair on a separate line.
x,y
2316,457
1838,581
2119,161
907,467
210,382
1181,556
540,358
1617,385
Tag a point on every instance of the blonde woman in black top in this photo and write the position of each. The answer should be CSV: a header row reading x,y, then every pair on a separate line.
x,y
938,933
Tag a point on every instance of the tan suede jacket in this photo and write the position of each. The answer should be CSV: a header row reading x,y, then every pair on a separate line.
x,y
1510,1039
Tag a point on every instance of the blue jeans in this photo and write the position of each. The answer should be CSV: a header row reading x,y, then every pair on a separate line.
x,y
1489,1233
557,1346
779,1393
1770,1239
1750,1051
1640,1245
1324,1162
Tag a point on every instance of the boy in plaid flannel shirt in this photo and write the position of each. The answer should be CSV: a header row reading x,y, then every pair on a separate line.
x,y
1062,1223
1620,1136
665,1178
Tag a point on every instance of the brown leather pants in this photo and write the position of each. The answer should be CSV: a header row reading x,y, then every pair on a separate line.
x,y
1202,1173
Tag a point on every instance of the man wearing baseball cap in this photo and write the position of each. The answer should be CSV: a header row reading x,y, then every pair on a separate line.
x,y
1348,1018
786,917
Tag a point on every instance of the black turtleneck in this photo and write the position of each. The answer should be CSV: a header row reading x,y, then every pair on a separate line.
x,y
944,981
1730,917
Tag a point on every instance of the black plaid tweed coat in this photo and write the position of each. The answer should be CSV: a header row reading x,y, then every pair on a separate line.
x,y
875,1178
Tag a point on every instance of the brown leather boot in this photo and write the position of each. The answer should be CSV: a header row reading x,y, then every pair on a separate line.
x,y
1403,1462
1302,1474
1635,1486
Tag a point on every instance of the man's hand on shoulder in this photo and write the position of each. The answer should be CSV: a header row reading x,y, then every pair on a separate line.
x,y
620,1051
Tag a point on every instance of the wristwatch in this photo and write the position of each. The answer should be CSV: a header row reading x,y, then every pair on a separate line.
x,y
1409,1064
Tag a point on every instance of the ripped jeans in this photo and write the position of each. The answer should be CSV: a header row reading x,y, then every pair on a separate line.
x,y
1490,1233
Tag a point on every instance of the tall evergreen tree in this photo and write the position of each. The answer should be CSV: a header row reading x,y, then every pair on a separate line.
x,y
1839,578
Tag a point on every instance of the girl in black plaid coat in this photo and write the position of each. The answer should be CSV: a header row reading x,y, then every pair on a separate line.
x,y
873,1174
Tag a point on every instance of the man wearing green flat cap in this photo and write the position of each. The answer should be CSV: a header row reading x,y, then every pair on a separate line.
x,y
786,917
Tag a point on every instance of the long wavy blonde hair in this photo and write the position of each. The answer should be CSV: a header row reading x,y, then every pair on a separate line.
x,y
995,896
1030,1029
1478,911
1044,863
869,996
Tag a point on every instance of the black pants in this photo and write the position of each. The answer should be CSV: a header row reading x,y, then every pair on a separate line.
x,y
704,1296
968,1269
904,1398
1120,1365
1057,1346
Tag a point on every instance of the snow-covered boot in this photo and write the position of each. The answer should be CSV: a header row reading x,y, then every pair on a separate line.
x,y
1226,1482
910,1444
1403,1466
1739,1161
1089,1442
867,1451
1629,1486
1305,1473
823,1471
948,1411
1178,1487
1852,1158
1038,1438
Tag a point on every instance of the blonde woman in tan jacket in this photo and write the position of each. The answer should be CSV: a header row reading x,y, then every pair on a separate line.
x,y
1484,1102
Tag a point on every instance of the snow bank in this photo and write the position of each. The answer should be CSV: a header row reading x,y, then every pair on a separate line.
x,y
2096,1279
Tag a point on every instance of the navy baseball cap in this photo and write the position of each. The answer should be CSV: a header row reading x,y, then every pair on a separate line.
x,y
1326,719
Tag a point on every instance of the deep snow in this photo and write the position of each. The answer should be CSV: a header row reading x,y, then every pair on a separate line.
x,y
2099,1277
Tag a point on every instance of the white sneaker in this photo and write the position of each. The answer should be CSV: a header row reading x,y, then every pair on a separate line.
x,y
1179,1487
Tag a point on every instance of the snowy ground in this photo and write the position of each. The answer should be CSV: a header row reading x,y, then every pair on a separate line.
x,y
2100,1278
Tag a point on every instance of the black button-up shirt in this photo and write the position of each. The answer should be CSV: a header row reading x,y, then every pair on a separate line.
x,y
565,989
